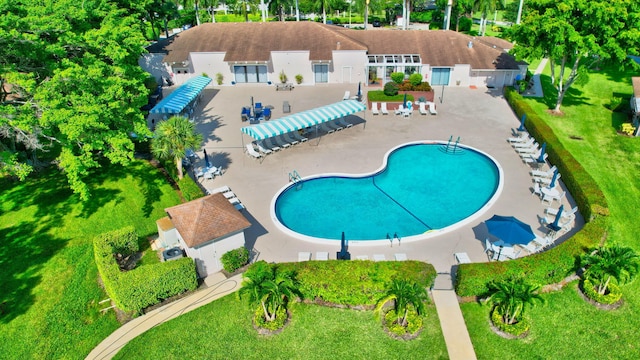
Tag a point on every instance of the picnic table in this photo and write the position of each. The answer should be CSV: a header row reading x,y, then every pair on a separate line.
x,y
286,86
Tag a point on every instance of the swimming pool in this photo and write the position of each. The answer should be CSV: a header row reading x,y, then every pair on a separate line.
x,y
421,190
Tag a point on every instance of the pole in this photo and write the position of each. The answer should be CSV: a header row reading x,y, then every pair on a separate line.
x,y
447,16
297,12
442,95
519,12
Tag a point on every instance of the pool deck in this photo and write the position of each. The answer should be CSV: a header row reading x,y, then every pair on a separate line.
x,y
481,117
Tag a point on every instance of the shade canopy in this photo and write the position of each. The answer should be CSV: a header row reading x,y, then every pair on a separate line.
x,y
510,230
303,119
175,102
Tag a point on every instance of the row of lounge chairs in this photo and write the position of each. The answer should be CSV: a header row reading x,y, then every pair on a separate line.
x,y
229,195
424,108
323,255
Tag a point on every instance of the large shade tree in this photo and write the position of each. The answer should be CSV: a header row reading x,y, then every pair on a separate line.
x,y
173,137
578,35
71,87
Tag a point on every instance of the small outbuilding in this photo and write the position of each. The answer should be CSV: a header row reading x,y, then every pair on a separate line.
x,y
207,228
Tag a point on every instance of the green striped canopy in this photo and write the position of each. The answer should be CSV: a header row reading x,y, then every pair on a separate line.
x,y
303,119
175,102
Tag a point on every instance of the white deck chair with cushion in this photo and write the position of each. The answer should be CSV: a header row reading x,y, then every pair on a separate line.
x,y
432,108
322,255
524,144
533,158
374,108
462,258
540,173
222,189
565,214
545,180
379,257
399,110
383,108
362,257
524,151
543,242
400,257
347,95
519,139
262,149
531,247
550,198
252,152
422,107
304,256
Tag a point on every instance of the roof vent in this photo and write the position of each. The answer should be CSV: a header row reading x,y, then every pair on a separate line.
x,y
338,45
470,44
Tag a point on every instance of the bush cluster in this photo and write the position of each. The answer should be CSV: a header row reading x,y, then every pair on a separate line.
x,y
144,286
260,321
414,322
408,86
613,295
355,283
550,266
391,88
397,77
235,259
516,329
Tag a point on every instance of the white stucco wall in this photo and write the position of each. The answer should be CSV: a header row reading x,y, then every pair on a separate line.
x,y
212,63
292,63
348,67
152,63
207,256
460,73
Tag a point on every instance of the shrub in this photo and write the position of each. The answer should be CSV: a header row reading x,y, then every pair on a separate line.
x,y
283,77
464,24
405,86
260,321
612,296
190,190
235,259
298,79
414,322
219,78
391,89
397,77
424,86
517,329
415,79
379,95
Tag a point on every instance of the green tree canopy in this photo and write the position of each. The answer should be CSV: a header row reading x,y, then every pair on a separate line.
x,y
173,137
71,87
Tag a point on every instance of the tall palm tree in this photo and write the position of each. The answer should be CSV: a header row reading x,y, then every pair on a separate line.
x,y
269,287
405,294
512,296
612,262
172,138
485,7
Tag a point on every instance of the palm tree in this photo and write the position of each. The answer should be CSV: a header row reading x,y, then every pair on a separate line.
x,y
172,138
405,294
512,296
485,7
269,287
613,262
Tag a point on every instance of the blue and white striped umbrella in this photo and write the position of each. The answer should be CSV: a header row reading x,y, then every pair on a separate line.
x,y
175,102
303,119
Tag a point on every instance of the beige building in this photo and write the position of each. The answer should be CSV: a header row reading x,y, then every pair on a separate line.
x,y
260,52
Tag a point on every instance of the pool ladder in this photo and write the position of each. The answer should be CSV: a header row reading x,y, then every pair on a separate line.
x,y
452,148
295,178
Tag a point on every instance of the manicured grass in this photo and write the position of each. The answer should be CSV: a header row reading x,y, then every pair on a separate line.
x,y
568,327
50,290
223,330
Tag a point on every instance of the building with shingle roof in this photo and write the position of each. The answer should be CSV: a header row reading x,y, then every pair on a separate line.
x,y
260,52
207,228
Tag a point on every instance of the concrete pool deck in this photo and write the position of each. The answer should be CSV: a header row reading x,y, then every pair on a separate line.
x,y
481,117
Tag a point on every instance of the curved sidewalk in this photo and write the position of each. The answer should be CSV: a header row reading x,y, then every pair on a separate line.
x,y
110,346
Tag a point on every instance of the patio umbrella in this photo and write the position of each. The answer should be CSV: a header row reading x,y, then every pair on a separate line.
x,y
510,230
206,159
521,128
542,150
558,216
553,179
404,102
359,92
344,253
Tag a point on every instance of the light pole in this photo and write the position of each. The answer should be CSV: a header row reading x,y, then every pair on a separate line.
x,y
519,12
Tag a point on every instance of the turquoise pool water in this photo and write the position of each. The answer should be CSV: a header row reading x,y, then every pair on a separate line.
x,y
421,188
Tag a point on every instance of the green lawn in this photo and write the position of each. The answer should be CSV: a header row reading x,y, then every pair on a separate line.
x,y
223,330
49,285
567,327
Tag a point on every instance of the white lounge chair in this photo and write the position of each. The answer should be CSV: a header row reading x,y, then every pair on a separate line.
x,y
383,108
462,258
291,140
270,145
432,108
304,256
379,257
550,198
399,110
344,123
525,144
239,206
543,242
569,215
401,257
545,180
322,255
252,152
362,257
374,108
222,189
422,107
262,149
532,247
299,137
281,142
525,151
536,190
234,200
519,139
540,173
533,158
347,95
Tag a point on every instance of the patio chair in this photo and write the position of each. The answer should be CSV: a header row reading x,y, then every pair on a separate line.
x,y
262,149
299,137
239,206
286,108
304,256
519,139
334,124
362,257
399,110
326,129
532,159
383,108
266,113
551,198
536,190
432,108
347,95
291,140
525,144
565,214
422,107
379,257
270,145
322,255
545,180
525,151
281,142
222,189
400,257
540,173
374,108
543,242
462,258
344,123
252,152
531,247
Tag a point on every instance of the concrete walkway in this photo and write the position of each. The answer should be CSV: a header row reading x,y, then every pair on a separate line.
x,y
217,287
536,89
454,329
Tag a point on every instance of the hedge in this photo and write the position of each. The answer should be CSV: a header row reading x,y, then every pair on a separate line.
x,y
147,285
355,283
550,266
190,190
235,259
584,189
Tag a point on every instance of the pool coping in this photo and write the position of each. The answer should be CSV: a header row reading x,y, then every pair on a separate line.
x,y
414,238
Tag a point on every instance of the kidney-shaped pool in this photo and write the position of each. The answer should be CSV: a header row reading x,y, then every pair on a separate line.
x,y
421,188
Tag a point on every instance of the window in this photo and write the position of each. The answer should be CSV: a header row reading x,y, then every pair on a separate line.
x,y
440,76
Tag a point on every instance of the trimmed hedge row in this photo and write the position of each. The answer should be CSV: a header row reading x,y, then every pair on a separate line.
x,y
584,189
550,266
355,283
542,268
190,190
147,285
